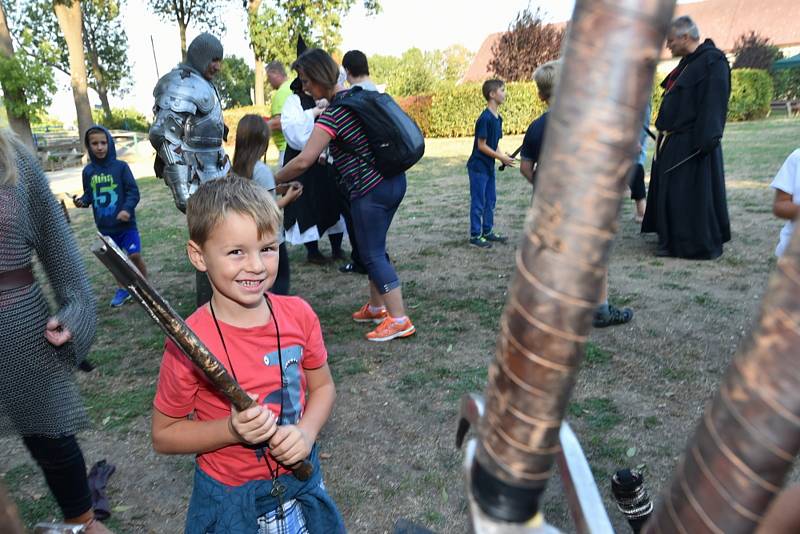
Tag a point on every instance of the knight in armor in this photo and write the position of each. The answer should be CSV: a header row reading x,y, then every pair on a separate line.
x,y
188,131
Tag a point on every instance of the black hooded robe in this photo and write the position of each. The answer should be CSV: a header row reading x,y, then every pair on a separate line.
x,y
320,203
686,203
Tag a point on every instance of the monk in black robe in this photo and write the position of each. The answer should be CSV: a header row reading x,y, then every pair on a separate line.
x,y
686,204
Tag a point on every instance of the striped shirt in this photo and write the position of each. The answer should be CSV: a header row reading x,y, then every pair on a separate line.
x,y
357,170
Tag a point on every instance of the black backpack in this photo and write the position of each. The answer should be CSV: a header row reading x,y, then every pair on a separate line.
x,y
394,138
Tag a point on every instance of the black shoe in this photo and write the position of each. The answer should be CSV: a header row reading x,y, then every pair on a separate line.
x,y
496,238
663,252
480,242
614,317
352,268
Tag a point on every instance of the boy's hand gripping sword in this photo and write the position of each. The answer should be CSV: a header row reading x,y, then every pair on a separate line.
x,y
171,323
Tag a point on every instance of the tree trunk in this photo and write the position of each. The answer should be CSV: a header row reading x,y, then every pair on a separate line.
x,y
102,92
69,20
258,91
19,124
259,88
101,88
182,28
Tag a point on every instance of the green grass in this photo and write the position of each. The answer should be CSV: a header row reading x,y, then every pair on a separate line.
x,y
115,410
398,402
595,355
599,413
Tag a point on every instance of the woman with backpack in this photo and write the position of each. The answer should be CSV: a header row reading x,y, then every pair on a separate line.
x,y
374,197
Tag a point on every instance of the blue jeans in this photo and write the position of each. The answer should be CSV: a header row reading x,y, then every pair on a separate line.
x,y
482,199
372,215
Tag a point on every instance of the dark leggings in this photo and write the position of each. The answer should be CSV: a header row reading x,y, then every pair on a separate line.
x,y
312,247
637,182
372,216
64,470
281,285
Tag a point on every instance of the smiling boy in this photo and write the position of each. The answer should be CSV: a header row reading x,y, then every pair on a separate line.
x,y
272,345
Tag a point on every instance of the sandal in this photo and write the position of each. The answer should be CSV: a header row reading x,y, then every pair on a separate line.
x,y
614,317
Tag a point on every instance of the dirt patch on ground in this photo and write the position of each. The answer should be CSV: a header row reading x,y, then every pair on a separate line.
x,y
389,445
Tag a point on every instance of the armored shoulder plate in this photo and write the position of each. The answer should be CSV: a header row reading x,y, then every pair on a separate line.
x,y
184,91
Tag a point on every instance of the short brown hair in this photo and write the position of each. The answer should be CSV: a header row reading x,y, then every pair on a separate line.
x,y
214,199
318,66
546,77
490,86
276,66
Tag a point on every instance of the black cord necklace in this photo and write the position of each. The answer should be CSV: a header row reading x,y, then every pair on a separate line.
x,y
278,489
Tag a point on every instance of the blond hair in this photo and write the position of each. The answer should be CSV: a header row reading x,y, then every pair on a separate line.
x,y
213,200
8,164
546,77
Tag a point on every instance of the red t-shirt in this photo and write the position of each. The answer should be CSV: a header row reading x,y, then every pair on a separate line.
x,y
183,389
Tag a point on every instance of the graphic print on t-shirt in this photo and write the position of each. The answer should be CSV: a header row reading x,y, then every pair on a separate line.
x,y
104,194
291,393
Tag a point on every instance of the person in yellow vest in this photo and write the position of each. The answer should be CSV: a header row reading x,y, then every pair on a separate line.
x,y
276,76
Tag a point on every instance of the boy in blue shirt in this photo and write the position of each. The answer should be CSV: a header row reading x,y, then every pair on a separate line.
x,y
110,189
480,166
546,78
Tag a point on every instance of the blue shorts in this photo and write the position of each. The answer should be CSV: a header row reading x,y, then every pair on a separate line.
x,y
129,241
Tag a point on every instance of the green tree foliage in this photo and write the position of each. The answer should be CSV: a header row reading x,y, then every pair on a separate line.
x,y
753,51
456,60
106,45
104,40
274,29
234,82
416,72
204,14
787,84
22,72
528,43
122,119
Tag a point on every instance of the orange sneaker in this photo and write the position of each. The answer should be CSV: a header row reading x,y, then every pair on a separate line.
x,y
364,315
390,329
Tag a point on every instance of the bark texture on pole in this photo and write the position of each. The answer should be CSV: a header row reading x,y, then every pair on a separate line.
x,y
258,90
19,124
749,435
590,145
68,13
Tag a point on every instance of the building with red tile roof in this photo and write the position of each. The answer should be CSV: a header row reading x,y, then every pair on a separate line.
x,y
723,21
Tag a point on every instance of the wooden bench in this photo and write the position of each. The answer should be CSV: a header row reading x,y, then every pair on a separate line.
x,y
792,107
57,150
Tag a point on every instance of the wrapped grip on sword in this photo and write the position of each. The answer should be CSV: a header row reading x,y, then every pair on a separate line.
x,y
187,341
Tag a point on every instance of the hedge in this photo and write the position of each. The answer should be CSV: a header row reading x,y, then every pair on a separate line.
x,y
751,94
451,111
122,119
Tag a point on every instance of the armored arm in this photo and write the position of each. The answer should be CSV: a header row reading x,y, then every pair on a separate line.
x,y
178,97
165,136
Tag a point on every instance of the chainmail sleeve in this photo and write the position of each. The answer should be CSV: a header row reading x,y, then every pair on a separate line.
x,y
59,254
